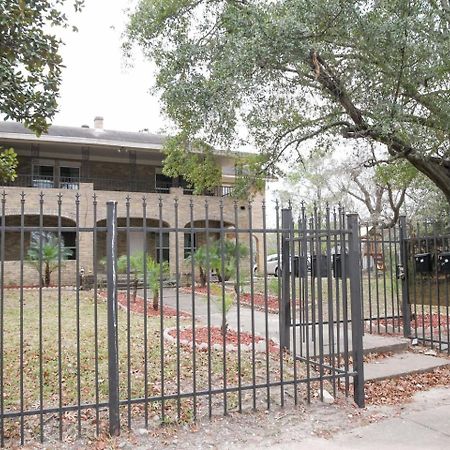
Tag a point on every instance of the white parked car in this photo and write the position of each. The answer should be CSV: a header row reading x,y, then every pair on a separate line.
x,y
272,264
274,269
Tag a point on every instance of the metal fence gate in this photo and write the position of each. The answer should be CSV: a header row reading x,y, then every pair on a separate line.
x,y
321,296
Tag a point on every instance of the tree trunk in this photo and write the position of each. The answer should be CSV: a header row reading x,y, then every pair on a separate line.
x,y
135,289
224,328
202,277
155,299
47,275
436,170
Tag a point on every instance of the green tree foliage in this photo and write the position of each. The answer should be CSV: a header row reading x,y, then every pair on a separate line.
x,y
193,161
221,257
30,63
45,253
288,71
30,66
8,164
138,265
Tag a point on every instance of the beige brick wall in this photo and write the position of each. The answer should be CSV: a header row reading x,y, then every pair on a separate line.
x,y
13,270
77,206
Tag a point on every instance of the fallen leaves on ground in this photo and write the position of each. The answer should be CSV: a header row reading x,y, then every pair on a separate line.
x,y
400,390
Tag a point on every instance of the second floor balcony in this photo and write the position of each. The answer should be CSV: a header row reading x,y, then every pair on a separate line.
x,y
107,184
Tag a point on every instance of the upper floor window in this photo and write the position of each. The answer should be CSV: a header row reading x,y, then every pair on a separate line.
x,y
49,174
163,183
69,177
43,176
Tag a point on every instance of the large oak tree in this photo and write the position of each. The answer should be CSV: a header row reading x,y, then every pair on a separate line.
x,y
276,73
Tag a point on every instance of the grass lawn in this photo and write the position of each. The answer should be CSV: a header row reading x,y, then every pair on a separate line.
x,y
132,375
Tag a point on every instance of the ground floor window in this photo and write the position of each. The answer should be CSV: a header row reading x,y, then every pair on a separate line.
x,y
190,244
69,241
162,247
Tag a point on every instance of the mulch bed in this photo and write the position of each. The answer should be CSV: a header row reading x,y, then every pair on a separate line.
x,y
216,338
139,308
426,321
259,302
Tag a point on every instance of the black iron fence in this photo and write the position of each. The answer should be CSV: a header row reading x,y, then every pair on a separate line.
x,y
179,338
405,281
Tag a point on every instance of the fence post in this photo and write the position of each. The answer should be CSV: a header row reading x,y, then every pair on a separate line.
x,y
354,261
285,311
113,355
403,275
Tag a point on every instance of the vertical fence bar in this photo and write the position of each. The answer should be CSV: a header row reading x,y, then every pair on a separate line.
x,y
208,306
78,317
357,322
437,292
266,294
41,335
95,267
128,263
145,321
60,377
404,277
21,320
113,360
252,300
303,255
345,319
428,243
2,309
177,302
331,325
285,311
397,293
292,303
319,272
337,292
224,309
161,307
194,356
238,305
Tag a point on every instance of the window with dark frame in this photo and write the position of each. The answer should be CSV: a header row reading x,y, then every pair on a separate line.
x,y
162,247
69,177
190,244
69,241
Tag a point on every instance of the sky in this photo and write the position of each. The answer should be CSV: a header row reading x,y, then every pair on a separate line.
x,y
96,81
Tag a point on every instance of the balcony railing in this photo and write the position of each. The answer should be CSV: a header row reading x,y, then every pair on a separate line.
x,y
219,191
105,184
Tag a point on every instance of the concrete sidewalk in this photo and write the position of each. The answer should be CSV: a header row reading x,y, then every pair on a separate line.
x,y
423,424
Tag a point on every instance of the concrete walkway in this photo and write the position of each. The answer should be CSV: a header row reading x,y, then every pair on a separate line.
x,y
424,424
401,364
262,324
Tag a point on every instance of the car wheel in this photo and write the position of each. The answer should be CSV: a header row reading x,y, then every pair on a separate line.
x,y
276,271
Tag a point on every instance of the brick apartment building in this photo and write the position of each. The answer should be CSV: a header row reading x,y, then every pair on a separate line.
x,y
71,163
